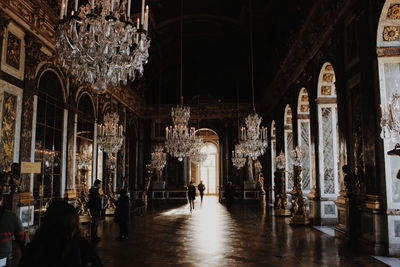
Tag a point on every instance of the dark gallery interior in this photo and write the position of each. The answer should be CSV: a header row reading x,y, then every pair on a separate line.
x,y
118,116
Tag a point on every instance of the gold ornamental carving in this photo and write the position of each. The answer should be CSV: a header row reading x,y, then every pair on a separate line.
x,y
8,131
328,68
13,50
328,77
280,204
299,203
394,12
326,90
390,33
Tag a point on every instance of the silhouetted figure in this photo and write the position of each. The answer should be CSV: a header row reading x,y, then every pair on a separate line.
x,y
95,208
122,214
201,187
10,226
58,241
11,183
229,194
191,194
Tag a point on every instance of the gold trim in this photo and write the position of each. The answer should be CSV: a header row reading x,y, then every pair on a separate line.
x,y
372,202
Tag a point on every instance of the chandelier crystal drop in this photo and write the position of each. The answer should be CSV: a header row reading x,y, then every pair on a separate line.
x,y
390,121
253,137
110,134
238,157
158,158
179,137
100,44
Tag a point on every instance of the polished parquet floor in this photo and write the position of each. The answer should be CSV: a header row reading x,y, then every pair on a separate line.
x,y
213,236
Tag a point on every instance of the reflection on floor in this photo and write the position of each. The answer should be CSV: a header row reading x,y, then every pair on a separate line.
x,y
326,229
213,236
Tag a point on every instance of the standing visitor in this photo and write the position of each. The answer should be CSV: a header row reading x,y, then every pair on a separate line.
x,y
95,208
201,187
191,195
58,241
10,226
122,214
229,194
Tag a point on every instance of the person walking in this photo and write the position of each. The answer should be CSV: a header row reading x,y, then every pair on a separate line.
x,y
58,241
122,214
10,226
191,195
95,207
201,187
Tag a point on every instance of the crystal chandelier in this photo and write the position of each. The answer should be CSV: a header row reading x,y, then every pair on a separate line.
x,y
110,134
390,121
179,137
100,44
84,158
297,156
238,157
254,137
197,156
158,158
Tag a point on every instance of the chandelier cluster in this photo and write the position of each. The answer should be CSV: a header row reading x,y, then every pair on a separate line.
x,y
238,157
180,138
253,137
158,158
197,156
390,121
100,44
110,134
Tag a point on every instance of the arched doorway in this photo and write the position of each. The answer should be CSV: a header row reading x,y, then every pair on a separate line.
x,y
49,136
273,159
288,138
208,170
328,142
388,44
304,138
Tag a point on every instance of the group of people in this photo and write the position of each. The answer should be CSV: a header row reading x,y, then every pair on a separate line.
x,y
191,192
58,241
121,212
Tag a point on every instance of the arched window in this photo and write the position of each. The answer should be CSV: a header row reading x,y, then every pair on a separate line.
x,y
273,151
208,170
328,140
49,135
304,138
84,139
388,51
288,138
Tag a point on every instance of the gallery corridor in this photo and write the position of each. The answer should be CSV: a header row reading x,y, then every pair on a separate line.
x,y
214,236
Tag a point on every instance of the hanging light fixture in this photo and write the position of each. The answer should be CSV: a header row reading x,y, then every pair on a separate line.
x,y
198,156
253,137
100,44
158,158
238,157
180,137
110,134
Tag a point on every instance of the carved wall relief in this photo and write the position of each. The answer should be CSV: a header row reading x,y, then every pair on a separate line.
x,y
8,122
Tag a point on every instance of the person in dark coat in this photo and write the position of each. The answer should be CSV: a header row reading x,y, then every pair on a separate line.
x,y
229,194
122,214
201,187
191,195
10,227
58,241
95,207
